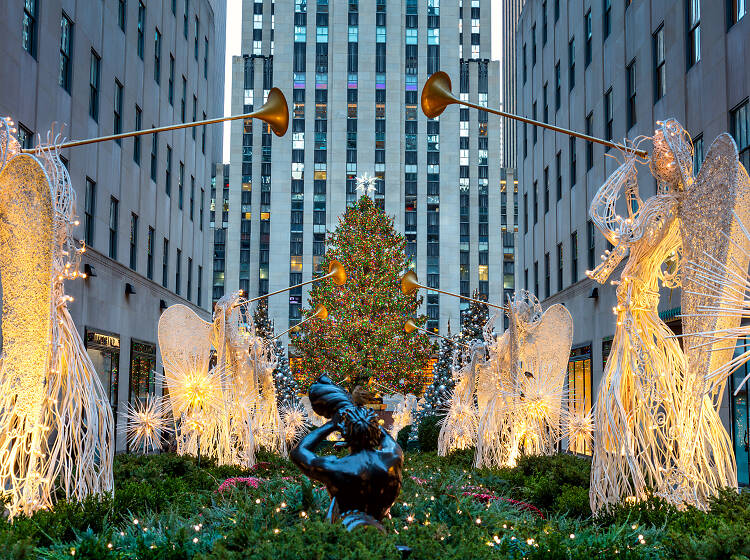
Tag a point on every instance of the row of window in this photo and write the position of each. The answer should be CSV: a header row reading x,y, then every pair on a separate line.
x,y
114,219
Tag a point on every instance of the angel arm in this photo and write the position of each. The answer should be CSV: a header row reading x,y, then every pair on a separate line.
x,y
604,215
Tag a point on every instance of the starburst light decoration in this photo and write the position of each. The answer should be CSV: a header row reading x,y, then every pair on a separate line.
x,y
294,420
657,412
56,425
146,423
366,185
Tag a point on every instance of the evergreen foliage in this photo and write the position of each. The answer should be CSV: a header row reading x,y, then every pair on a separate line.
x,y
438,394
473,321
363,342
287,388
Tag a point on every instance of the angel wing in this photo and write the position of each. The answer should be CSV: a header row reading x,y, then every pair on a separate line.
x,y
546,347
708,227
184,338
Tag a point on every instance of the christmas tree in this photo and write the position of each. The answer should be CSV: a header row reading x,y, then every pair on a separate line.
x,y
287,389
363,342
473,321
438,394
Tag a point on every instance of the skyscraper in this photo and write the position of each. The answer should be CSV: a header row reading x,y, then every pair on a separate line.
x,y
109,67
353,76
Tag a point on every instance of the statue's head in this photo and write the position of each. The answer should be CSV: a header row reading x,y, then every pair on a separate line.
x,y
360,428
672,156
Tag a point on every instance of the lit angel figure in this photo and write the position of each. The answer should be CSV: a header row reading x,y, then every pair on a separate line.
x,y
658,427
521,387
402,414
47,380
147,424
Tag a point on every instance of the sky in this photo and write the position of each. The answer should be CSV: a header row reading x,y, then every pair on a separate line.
x,y
234,48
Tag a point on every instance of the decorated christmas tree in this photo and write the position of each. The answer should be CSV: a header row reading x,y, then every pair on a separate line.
x,y
287,389
363,342
437,396
473,321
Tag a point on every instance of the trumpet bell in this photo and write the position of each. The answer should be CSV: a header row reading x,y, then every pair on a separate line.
x,y
337,272
321,312
409,283
409,326
274,112
436,95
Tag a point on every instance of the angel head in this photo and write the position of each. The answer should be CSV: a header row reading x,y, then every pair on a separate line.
x,y
672,156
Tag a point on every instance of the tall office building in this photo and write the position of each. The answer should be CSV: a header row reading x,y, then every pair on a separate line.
x,y
353,74
108,67
612,69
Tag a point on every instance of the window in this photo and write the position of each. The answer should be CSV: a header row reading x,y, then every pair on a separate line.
x,y
579,393
544,104
66,41
205,57
94,85
150,254
736,10
546,190
608,116
558,168
189,290
90,212
168,174
693,31
140,29
525,212
177,272
740,127
137,139
195,115
523,65
572,143
192,197
544,22
558,84
591,232
157,55
185,20
117,121
631,112
559,267
133,240
182,101
660,74
154,152
170,85
536,202
557,10
200,214
546,276
203,135
536,278
533,128
571,64
165,264
606,19
28,32
122,10
698,154
195,42
199,296
25,137
574,257
533,46
114,218
589,145
589,38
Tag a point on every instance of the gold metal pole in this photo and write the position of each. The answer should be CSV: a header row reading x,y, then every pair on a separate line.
x,y
411,326
409,284
436,95
320,311
274,112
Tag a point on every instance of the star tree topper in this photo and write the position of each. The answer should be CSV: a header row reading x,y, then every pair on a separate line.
x,y
366,185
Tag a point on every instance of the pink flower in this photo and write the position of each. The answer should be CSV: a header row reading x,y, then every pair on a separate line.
x,y
232,482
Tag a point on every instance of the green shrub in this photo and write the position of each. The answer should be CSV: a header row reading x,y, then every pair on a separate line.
x,y
403,436
428,433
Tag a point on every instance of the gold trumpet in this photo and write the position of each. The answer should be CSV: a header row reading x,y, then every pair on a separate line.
x,y
336,273
320,312
410,284
410,326
274,112
437,95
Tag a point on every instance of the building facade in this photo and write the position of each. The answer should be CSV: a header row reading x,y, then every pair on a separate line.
x,y
108,67
612,69
353,75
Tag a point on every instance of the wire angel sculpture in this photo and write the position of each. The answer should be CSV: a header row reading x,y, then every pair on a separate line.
x,y
226,410
402,413
521,387
56,424
658,427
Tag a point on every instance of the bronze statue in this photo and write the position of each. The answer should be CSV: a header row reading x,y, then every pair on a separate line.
x,y
364,484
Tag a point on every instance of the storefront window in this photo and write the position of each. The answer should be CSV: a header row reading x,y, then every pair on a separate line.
x,y
142,366
104,350
740,439
579,392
